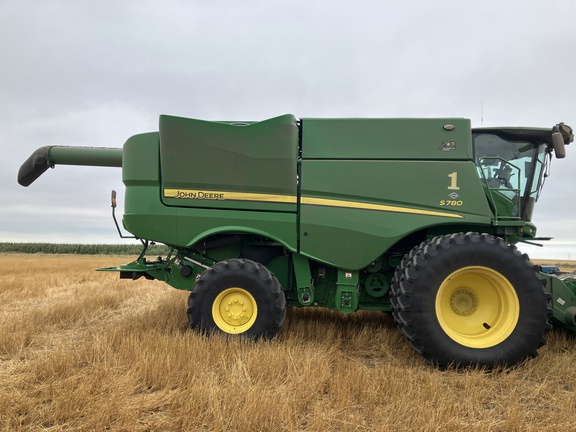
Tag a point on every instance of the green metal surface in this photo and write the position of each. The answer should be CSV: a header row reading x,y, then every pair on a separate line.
x,y
353,211
304,285
216,165
88,156
347,291
406,139
179,270
330,206
146,215
563,300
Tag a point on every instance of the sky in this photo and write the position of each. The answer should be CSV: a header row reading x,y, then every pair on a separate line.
x,y
89,73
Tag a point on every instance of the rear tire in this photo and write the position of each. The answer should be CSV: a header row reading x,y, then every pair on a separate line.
x,y
471,299
398,275
237,297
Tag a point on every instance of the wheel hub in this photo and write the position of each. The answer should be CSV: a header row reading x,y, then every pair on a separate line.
x,y
464,302
234,310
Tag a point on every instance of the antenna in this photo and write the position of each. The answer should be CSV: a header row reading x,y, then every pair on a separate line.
x,y
482,112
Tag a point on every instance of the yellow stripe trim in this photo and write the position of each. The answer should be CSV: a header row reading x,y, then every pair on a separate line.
x,y
377,207
202,195
205,195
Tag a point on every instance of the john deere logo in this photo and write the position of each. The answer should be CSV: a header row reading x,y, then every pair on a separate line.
x,y
448,145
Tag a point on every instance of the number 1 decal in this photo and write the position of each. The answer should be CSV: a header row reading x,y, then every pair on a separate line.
x,y
453,181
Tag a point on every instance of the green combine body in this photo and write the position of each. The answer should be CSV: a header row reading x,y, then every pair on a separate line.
x,y
417,217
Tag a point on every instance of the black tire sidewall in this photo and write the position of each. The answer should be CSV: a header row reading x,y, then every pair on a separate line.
x,y
450,256
246,275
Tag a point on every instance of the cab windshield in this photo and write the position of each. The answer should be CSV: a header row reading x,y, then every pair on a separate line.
x,y
512,172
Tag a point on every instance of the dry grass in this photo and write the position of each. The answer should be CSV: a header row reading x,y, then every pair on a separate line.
x,y
565,265
81,350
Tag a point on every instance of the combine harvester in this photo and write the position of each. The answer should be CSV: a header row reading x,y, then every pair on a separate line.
x,y
418,217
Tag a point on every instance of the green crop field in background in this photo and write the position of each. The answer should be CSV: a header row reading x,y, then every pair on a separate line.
x,y
80,249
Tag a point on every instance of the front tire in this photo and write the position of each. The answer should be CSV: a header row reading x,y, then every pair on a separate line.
x,y
237,297
471,299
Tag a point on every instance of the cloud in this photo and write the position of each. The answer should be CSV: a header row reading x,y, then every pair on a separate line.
x,y
94,73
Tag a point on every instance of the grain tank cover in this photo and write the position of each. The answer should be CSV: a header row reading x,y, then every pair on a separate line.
x,y
406,139
229,165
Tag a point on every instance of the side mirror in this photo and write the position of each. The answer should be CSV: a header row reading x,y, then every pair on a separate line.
x,y
566,132
558,143
113,200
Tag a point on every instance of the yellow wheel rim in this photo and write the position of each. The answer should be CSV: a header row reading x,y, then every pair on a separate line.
x,y
477,307
234,310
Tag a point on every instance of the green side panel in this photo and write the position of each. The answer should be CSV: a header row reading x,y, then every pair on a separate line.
x,y
353,211
141,162
386,139
196,224
346,299
563,301
216,165
144,214
147,217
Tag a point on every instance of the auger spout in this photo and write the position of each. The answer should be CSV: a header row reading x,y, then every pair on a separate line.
x,y
49,156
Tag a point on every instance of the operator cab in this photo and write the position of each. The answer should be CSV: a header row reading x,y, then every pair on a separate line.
x,y
513,164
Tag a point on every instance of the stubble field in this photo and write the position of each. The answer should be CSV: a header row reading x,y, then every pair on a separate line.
x,y
81,350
